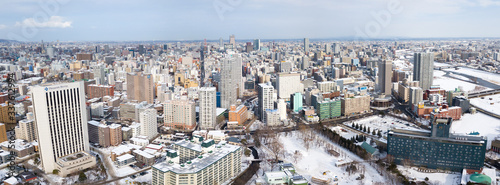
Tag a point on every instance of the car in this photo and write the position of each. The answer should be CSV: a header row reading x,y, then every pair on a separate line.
x,y
143,173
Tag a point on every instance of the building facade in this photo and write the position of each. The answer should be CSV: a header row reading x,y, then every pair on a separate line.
x,y
180,114
208,107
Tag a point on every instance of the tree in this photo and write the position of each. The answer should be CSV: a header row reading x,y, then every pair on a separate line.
x,y
55,171
426,179
352,125
368,130
357,138
364,129
248,152
356,126
82,177
373,132
297,156
379,133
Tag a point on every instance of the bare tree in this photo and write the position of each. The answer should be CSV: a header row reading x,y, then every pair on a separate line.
x,y
297,156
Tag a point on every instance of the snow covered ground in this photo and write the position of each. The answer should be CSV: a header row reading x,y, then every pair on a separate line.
x,y
434,178
491,77
492,105
384,123
343,132
486,126
316,160
447,83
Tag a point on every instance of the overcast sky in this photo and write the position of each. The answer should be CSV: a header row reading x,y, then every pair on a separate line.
x,y
123,20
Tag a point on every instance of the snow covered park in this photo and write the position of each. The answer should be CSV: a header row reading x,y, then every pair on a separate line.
x,y
486,126
312,159
489,103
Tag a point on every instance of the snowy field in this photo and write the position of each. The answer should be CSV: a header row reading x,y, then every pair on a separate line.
x,y
492,105
434,178
315,159
486,126
384,123
491,77
439,64
447,83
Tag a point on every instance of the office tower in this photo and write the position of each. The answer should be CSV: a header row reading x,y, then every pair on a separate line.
x,y
140,87
221,42
207,104
266,99
329,108
50,51
305,62
287,84
496,56
26,130
306,45
149,126
423,69
100,75
180,114
335,73
328,49
438,148
111,78
231,85
61,118
385,76
256,44
3,133
336,48
416,95
296,102
249,47
141,50
232,41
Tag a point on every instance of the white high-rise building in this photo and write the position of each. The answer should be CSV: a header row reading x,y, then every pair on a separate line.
x,y
231,84
282,109
306,45
61,119
207,117
266,99
148,120
287,84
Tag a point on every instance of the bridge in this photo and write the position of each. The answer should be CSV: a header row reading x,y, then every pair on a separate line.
x,y
484,93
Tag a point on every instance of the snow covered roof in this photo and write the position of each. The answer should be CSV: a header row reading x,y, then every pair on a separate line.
x,y
124,157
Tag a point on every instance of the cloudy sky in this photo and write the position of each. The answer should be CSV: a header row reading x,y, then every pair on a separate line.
x,y
124,20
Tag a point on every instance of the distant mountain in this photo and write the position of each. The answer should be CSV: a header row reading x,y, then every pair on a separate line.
x,y
5,40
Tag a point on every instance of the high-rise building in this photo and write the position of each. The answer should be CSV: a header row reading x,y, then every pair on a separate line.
x,y
6,110
336,48
281,105
287,84
26,130
100,75
61,118
115,134
266,99
140,87
256,44
231,85
149,123
296,102
232,41
385,76
180,114
355,105
221,42
416,95
423,69
306,45
207,115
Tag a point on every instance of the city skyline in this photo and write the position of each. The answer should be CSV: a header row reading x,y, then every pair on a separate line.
x,y
113,21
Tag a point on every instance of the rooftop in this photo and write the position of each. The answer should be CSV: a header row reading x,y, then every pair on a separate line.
x,y
198,163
